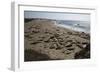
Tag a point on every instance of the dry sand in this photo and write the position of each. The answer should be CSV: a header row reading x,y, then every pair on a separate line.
x,y
43,40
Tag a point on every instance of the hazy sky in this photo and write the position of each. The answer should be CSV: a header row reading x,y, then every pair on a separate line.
x,y
57,16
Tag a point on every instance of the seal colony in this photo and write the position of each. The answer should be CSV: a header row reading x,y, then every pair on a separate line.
x,y
43,40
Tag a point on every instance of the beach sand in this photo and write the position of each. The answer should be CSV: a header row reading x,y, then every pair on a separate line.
x,y
43,40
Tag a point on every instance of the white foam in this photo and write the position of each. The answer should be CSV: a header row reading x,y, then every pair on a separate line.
x,y
75,28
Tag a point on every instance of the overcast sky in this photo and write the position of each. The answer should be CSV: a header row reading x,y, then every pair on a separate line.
x,y
57,16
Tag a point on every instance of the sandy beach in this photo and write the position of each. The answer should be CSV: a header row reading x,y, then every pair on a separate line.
x,y
43,40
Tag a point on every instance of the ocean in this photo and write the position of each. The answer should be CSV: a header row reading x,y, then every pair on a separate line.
x,y
81,26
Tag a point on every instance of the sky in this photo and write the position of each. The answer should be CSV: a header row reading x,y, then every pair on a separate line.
x,y
57,16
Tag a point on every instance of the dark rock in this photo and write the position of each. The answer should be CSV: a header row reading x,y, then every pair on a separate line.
x,y
84,53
